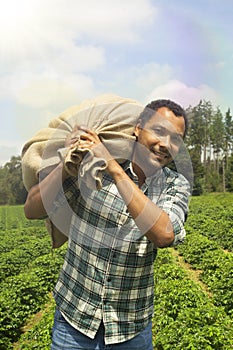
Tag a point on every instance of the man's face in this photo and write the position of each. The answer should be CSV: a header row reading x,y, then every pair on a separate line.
x,y
159,140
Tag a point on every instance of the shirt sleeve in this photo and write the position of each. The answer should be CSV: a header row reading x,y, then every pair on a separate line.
x,y
174,201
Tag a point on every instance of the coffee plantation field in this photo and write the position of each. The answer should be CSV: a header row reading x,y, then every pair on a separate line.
x,y
193,282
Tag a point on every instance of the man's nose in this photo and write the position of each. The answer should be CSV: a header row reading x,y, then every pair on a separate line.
x,y
165,141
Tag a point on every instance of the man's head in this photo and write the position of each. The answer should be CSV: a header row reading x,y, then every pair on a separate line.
x,y
160,131
153,106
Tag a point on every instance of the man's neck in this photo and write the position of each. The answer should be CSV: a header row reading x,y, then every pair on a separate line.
x,y
140,174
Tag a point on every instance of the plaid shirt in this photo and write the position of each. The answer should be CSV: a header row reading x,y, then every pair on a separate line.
x,y
108,269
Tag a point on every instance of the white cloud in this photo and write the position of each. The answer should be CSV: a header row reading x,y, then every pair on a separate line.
x,y
30,28
42,99
115,20
47,92
41,38
45,89
138,80
45,65
183,94
152,74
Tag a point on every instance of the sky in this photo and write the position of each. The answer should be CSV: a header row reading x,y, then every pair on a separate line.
x,y
56,53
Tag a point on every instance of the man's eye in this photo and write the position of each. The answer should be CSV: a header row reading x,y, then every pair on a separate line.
x,y
158,131
177,139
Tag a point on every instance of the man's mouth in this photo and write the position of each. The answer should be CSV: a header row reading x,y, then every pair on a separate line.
x,y
160,155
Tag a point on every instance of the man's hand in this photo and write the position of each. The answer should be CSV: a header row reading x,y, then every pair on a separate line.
x,y
88,139
74,136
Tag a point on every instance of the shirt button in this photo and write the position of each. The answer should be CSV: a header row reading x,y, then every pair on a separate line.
x,y
109,279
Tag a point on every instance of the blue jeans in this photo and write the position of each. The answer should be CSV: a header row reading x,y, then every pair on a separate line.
x,y
66,337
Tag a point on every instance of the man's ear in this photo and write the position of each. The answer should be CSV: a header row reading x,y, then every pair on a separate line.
x,y
137,128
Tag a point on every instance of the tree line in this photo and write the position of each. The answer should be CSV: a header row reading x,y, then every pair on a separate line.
x,y
210,145
12,190
209,142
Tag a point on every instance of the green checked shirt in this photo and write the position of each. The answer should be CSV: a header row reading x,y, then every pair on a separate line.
x,y
108,269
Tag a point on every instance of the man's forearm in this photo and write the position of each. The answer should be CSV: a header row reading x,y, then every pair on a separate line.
x,y
41,196
150,219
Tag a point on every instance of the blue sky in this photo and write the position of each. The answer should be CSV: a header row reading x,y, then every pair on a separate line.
x,y
55,53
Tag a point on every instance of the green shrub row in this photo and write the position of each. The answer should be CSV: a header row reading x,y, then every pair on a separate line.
x,y
39,336
216,266
25,294
185,317
212,216
12,217
15,238
18,259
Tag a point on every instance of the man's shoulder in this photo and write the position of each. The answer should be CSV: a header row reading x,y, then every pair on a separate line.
x,y
172,174
176,178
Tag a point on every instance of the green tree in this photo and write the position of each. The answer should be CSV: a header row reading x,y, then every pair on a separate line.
x,y
194,143
229,172
5,193
12,190
217,134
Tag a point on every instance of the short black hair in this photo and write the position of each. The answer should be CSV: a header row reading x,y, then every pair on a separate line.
x,y
153,106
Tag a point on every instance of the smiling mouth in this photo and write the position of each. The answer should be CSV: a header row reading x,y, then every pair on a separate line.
x,y
160,155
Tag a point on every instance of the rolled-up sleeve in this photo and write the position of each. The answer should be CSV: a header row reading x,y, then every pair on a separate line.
x,y
174,200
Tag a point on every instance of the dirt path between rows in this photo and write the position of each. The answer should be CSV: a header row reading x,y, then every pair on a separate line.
x,y
193,274
34,320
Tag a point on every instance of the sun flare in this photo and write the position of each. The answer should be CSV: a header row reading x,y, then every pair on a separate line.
x,y
16,21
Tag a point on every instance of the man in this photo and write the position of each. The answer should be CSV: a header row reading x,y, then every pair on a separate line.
x,y
104,294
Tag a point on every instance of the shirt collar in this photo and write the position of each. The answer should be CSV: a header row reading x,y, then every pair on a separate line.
x,y
128,167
